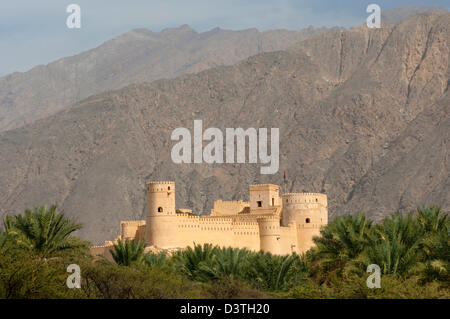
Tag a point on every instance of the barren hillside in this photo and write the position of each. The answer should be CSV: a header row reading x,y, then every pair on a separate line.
x,y
363,116
136,56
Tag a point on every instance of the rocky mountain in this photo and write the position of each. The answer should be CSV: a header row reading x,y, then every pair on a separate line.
x,y
363,116
136,56
396,15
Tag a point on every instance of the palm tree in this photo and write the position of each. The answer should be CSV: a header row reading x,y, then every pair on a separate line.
x,y
128,252
341,241
152,259
395,245
3,239
436,246
44,230
225,262
188,261
273,272
431,219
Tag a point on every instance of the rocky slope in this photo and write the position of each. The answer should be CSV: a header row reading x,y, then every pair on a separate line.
x,y
363,116
136,56
143,56
396,15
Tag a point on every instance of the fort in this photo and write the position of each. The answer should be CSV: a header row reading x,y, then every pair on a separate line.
x,y
268,222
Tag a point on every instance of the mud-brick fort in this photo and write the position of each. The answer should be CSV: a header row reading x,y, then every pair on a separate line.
x,y
279,225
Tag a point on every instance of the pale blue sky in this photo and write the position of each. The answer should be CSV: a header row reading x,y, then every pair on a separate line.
x,y
35,32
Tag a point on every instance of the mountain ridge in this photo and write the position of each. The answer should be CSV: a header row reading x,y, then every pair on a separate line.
x,y
141,55
136,56
362,113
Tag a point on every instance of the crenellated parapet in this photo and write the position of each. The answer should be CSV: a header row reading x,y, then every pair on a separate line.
x,y
305,209
268,222
290,199
164,186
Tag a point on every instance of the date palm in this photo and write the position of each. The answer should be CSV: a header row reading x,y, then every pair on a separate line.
x,y
339,243
188,261
436,245
437,264
44,231
273,272
127,252
225,262
156,259
432,219
395,245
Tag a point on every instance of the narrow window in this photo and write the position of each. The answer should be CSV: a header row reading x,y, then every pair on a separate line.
x,y
160,209
273,201
259,203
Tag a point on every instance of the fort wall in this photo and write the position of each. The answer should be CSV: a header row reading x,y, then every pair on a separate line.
x,y
288,240
132,229
279,225
246,234
223,208
305,235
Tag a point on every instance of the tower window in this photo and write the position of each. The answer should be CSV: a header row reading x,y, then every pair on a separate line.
x,y
273,201
168,188
307,220
160,209
259,203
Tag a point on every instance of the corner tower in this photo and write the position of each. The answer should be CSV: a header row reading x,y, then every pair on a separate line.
x,y
309,211
161,224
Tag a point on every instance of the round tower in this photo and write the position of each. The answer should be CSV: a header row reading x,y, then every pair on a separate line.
x,y
269,233
309,211
161,227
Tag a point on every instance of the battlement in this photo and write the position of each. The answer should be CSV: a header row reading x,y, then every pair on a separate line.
x,y
263,186
230,202
268,218
304,195
215,219
314,226
304,198
161,182
267,222
188,216
164,186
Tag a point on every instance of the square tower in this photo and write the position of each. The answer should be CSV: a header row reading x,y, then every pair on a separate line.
x,y
264,196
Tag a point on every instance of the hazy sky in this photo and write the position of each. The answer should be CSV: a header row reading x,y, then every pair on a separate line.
x,y
34,32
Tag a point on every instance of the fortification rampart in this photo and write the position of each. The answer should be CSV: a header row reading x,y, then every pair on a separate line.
x,y
228,207
279,225
132,229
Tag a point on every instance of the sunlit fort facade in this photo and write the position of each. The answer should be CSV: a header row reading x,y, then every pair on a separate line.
x,y
268,222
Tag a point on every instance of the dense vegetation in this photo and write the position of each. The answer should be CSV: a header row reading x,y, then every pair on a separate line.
x,y
411,250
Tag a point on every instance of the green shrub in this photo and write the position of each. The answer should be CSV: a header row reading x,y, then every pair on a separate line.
x,y
108,280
